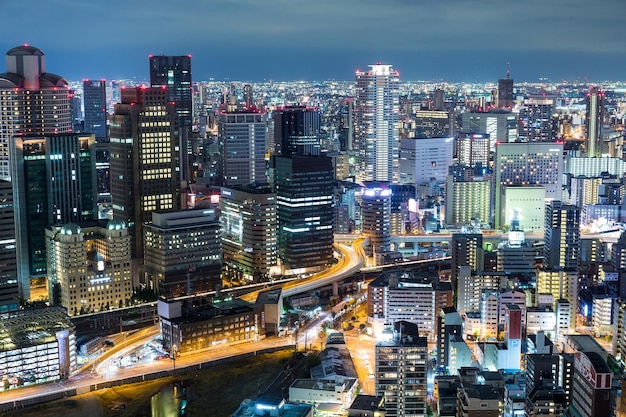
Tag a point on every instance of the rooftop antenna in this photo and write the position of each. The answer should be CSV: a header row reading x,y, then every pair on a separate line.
x,y
508,70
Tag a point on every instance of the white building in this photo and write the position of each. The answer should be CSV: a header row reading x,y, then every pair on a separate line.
x,y
424,159
540,318
525,204
333,390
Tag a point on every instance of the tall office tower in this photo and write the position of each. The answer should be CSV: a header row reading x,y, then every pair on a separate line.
x,y
376,216
248,95
54,182
528,164
145,173
505,91
40,101
432,124
593,122
242,145
9,289
499,124
174,74
422,160
376,135
401,371
95,103
89,267
468,201
466,250
535,120
438,99
249,226
304,196
402,198
562,236
183,252
592,387
473,149
297,131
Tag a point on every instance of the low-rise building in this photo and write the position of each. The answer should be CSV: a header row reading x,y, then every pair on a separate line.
x,y
319,392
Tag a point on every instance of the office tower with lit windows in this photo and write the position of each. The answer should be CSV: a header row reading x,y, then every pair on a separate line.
x,y
183,252
249,226
562,236
505,91
40,102
54,182
468,201
432,124
528,164
95,104
425,159
89,267
304,194
535,119
145,173
594,118
174,74
376,135
248,95
242,145
297,130
401,370
9,289
376,216
499,124
466,249
473,149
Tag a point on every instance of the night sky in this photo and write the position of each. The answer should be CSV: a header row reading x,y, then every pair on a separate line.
x,y
256,40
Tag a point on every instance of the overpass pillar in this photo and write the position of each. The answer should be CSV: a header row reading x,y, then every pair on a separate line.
x,y
335,289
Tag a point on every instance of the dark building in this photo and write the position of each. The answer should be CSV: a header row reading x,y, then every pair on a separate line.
x,y
174,74
466,250
54,182
9,290
561,236
297,131
144,161
505,92
95,103
449,325
304,194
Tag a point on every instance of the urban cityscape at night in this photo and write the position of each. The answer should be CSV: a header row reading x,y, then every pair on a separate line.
x,y
303,220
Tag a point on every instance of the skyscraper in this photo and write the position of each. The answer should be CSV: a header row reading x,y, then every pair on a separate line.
x,y
9,290
535,119
593,122
376,216
242,145
297,130
174,74
54,182
505,91
562,236
95,103
376,135
145,173
41,101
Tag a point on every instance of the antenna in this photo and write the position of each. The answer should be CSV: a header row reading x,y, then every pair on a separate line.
x,y
508,70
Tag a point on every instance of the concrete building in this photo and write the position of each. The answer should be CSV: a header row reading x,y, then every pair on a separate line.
x,y
376,216
473,149
561,236
89,267
499,124
183,252
468,201
249,226
324,392
478,401
432,124
526,204
594,167
425,159
401,369
591,387
594,119
535,119
9,288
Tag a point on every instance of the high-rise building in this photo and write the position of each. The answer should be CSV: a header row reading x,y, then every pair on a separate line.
x,y
593,122
505,92
183,252
425,159
248,95
376,216
562,236
249,226
40,101
432,124
376,135
304,194
466,250
9,289
145,173
95,103
528,164
89,267
242,145
468,201
174,74
54,182
499,124
535,119
297,131
592,386
401,370
473,149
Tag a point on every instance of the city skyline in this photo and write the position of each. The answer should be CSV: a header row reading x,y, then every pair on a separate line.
x,y
248,41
